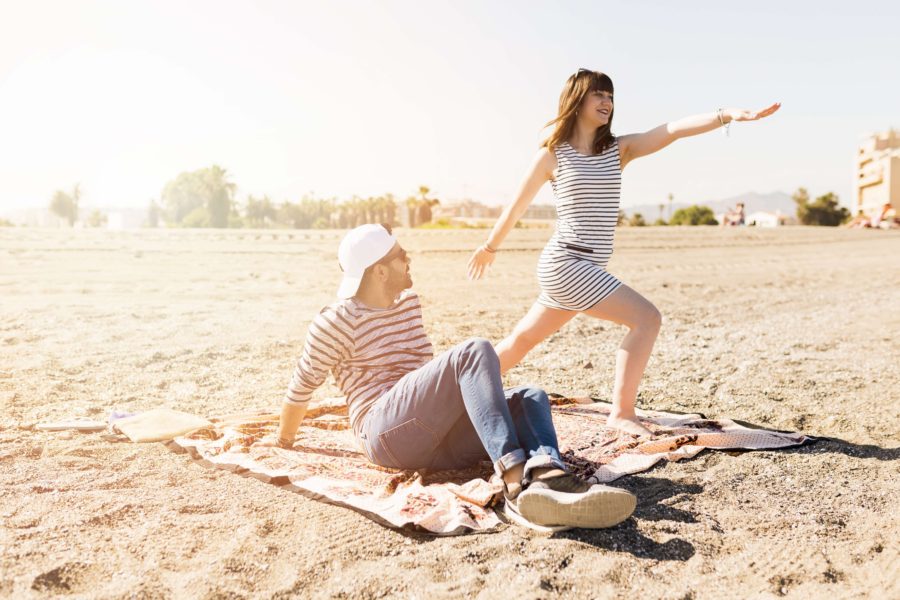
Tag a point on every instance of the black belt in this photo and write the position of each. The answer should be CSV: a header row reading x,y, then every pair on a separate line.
x,y
578,248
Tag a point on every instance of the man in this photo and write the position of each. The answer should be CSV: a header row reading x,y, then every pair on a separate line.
x,y
412,411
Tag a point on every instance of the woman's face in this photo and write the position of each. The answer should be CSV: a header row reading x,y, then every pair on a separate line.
x,y
596,108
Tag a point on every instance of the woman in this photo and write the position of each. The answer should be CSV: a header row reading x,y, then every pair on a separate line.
x,y
583,160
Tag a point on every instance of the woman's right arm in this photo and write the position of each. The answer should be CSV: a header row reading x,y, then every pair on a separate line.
x,y
539,173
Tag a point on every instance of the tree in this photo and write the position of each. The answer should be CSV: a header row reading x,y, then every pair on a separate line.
x,y
637,220
153,214
206,195
825,210
411,211
66,205
260,212
423,211
97,219
800,197
694,215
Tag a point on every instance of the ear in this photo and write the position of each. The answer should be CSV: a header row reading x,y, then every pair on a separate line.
x,y
380,272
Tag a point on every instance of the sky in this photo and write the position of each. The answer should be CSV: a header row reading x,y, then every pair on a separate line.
x,y
350,97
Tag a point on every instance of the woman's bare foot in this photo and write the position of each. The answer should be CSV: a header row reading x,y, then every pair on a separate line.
x,y
632,426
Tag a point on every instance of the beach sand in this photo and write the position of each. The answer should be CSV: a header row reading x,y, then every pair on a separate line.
x,y
792,329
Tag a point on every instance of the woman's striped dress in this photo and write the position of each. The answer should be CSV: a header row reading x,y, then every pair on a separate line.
x,y
572,268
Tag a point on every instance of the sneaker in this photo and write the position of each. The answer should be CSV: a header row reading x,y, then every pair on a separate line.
x,y
567,500
510,510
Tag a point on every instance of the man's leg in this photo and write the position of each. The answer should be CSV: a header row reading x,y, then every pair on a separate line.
x,y
406,426
530,409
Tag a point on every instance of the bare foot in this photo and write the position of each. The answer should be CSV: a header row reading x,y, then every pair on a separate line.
x,y
632,426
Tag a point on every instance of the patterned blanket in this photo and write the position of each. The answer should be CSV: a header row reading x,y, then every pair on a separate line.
x,y
327,464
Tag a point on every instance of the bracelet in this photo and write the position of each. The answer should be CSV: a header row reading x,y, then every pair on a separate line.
x,y
285,443
487,247
720,115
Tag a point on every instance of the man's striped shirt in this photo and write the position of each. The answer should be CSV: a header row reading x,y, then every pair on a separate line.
x,y
367,349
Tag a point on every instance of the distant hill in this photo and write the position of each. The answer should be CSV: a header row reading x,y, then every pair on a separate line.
x,y
753,201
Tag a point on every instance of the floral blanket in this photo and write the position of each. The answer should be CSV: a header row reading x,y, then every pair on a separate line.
x,y
327,464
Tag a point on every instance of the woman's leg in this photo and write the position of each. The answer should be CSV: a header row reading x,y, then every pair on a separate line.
x,y
626,307
536,326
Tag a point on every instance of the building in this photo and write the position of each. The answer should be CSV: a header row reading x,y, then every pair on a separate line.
x,y
543,212
877,180
763,218
467,209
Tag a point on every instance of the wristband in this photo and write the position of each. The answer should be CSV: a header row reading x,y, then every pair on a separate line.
x,y
487,247
720,114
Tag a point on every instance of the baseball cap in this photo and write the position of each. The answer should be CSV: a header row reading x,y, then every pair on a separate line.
x,y
360,249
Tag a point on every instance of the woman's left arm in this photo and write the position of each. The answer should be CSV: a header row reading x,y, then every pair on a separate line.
x,y
636,145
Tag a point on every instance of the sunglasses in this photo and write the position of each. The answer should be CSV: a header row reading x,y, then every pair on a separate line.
x,y
391,256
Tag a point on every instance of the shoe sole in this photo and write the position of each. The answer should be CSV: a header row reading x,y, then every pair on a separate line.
x,y
514,517
595,509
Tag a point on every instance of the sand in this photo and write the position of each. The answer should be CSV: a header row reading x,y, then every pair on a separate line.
x,y
790,329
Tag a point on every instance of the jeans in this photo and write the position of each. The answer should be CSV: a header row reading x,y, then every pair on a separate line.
x,y
453,412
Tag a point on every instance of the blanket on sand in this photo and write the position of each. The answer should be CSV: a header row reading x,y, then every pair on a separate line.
x,y
327,464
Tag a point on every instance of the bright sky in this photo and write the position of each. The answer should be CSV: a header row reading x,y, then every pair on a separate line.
x,y
342,98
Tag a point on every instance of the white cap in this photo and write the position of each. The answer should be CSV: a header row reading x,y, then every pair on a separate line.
x,y
360,249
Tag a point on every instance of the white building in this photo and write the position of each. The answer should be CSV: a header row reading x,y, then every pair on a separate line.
x,y
763,218
877,180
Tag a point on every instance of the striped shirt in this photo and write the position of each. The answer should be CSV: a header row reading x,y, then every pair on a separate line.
x,y
587,190
572,268
367,349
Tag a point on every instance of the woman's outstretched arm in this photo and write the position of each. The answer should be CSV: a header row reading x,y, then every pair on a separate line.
x,y
641,144
540,171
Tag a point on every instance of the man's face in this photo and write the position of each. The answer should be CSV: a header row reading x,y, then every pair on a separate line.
x,y
397,262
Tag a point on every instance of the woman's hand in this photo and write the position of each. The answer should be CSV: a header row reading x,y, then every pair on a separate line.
x,y
481,259
739,114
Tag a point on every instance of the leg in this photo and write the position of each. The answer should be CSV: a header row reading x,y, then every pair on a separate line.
x,y
627,307
540,323
530,411
407,425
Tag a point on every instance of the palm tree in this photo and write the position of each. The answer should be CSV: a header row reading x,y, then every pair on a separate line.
x,y
66,205
411,204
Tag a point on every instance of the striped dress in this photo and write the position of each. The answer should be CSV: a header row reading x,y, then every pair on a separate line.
x,y
367,349
572,268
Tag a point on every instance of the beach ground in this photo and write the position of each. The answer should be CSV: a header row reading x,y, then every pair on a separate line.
x,y
793,329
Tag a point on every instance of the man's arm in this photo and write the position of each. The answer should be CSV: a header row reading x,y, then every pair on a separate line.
x,y
326,345
291,417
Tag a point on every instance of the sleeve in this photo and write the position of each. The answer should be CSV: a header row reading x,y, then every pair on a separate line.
x,y
326,345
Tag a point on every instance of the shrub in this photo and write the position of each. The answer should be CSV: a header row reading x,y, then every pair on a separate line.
x,y
824,210
694,215
637,220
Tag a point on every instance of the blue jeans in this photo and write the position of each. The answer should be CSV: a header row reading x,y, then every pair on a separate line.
x,y
453,412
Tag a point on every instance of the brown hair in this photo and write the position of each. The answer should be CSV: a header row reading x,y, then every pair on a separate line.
x,y
579,85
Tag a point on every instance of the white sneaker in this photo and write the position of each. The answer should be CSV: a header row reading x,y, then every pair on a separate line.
x,y
568,501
